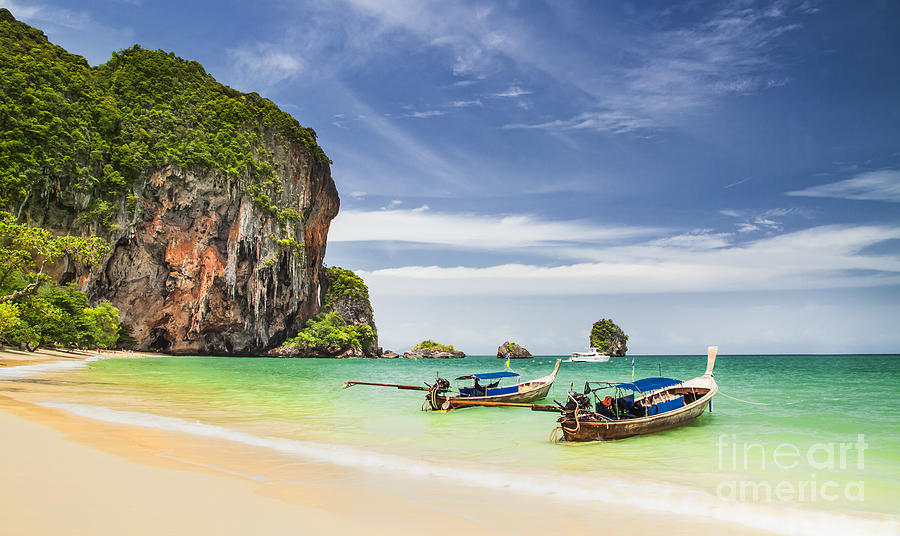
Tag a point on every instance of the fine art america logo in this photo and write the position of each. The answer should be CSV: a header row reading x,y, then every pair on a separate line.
x,y
821,462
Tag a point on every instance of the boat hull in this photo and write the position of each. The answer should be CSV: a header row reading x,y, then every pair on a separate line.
x,y
589,359
448,402
597,430
528,392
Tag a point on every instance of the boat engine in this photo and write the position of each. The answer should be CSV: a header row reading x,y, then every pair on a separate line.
x,y
441,385
576,401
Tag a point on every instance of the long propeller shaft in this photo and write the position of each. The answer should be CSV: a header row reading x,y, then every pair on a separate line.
x,y
395,385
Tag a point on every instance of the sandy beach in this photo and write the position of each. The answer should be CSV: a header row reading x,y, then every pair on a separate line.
x,y
63,474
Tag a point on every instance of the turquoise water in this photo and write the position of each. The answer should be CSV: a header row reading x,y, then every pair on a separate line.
x,y
802,433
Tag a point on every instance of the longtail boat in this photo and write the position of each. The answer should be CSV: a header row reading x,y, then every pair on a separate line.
x,y
653,405
440,396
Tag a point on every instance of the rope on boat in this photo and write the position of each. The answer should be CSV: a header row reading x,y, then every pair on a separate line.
x,y
556,435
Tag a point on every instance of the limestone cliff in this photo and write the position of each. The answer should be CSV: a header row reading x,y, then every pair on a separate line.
x,y
199,268
216,204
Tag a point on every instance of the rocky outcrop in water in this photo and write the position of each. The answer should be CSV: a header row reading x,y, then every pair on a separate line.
x,y
608,338
429,349
513,351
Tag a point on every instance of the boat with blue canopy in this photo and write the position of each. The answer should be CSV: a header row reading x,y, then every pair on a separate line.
x,y
480,389
615,410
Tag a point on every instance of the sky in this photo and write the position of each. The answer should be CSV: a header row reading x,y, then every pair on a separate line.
x,y
703,173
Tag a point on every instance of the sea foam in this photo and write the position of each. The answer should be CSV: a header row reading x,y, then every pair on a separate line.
x,y
649,497
24,371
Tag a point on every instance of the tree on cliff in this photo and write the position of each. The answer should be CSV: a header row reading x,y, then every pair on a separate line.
x,y
328,335
608,338
34,311
26,250
345,327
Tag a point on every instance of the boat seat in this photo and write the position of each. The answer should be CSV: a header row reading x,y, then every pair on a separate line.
x,y
666,406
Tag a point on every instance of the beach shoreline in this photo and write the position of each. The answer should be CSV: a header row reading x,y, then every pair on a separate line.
x,y
65,473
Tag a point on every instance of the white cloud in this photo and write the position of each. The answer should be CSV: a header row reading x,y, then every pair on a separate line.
x,y
358,195
469,230
465,103
883,185
820,257
264,64
513,91
616,122
426,114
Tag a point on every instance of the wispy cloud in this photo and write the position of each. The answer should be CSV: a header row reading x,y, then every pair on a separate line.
x,y
615,122
670,72
426,114
816,258
736,183
264,64
470,231
760,220
465,103
883,185
513,91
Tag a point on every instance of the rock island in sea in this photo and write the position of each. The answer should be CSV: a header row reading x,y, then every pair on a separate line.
x,y
608,338
513,350
433,350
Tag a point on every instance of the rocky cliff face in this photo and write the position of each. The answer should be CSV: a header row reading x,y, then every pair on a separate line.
x,y
216,204
197,267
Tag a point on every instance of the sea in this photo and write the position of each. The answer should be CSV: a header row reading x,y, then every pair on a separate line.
x,y
794,444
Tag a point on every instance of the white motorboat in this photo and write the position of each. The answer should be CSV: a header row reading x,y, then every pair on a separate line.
x,y
592,356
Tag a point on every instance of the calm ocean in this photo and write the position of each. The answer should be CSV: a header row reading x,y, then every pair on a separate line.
x,y
821,438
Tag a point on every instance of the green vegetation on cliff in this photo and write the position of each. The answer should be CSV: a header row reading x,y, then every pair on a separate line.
x,y
83,135
429,344
345,324
34,310
608,338
327,335
344,287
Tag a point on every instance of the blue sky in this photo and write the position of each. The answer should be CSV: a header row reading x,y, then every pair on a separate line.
x,y
703,172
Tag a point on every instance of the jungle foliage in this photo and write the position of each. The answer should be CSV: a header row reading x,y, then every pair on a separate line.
x,y
328,334
344,286
86,134
34,310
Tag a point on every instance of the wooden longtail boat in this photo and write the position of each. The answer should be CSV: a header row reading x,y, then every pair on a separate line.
x,y
441,397
520,393
663,403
